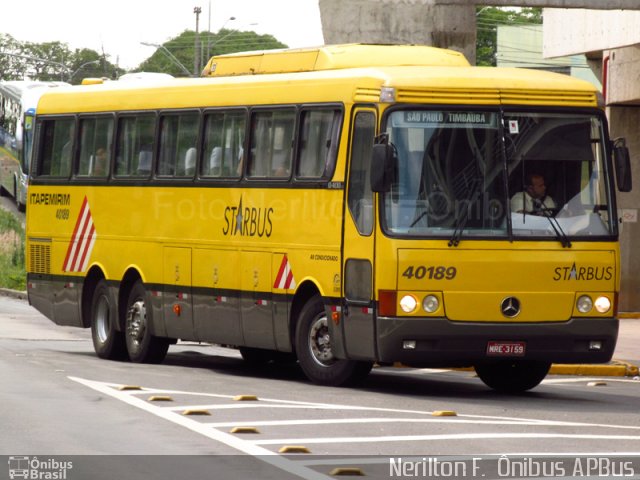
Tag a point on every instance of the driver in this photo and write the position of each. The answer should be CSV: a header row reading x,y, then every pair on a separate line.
x,y
533,199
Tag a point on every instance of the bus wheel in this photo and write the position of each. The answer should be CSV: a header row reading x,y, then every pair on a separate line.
x,y
107,341
313,348
141,345
513,376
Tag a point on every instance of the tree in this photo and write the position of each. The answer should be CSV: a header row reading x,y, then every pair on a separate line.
x,y
488,19
182,49
51,61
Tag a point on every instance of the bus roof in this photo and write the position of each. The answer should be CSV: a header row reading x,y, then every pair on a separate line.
x,y
331,57
422,83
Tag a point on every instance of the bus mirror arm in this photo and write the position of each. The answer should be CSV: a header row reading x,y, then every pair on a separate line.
x,y
622,161
382,162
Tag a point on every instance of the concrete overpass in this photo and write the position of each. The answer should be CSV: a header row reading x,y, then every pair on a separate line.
x,y
440,23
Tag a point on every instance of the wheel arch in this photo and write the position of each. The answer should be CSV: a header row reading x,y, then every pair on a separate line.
x,y
307,290
94,275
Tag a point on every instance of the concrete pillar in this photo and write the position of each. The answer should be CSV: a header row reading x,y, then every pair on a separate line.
x,y
438,23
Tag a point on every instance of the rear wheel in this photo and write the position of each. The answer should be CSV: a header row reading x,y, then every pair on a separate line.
x,y
107,341
313,348
513,376
142,346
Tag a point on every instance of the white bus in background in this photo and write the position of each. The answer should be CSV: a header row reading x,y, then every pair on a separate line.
x,y
18,101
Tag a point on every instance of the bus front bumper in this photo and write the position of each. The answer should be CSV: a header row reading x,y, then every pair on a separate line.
x,y
438,342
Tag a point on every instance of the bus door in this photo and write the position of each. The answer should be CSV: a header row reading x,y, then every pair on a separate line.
x,y
359,242
177,298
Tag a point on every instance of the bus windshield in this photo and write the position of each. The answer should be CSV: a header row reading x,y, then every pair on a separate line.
x,y
497,174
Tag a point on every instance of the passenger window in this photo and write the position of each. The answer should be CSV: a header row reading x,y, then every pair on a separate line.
x,y
56,154
135,146
319,130
178,145
224,144
272,134
96,137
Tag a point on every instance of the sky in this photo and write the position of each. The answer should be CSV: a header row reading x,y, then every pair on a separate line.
x,y
119,26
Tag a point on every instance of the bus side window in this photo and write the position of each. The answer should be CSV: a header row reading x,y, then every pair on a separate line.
x,y
57,148
272,135
135,145
223,144
178,145
318,142
96,136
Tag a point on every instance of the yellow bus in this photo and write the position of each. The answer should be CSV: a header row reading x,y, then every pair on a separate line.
x,y
343,206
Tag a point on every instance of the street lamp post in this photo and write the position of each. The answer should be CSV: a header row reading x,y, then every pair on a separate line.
x,y
92,62
166,51
196,55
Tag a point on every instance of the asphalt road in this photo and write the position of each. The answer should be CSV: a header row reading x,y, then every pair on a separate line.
x,y
59,401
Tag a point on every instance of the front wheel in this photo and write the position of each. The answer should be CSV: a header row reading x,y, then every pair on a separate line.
x,y
143,347
108,342
513,376
313,348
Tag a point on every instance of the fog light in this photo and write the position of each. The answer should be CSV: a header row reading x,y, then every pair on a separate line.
x,y
409,344
595,345
408,303
430,303
584,304
602,304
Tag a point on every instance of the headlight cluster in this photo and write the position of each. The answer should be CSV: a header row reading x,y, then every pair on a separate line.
x,y
585,304
409,303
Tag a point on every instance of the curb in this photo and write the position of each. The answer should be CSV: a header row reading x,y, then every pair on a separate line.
x,y
614,369
6,292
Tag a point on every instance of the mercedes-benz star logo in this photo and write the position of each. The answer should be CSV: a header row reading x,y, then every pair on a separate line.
x,y
510,307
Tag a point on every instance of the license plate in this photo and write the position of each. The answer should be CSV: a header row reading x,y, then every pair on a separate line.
x,y
505,349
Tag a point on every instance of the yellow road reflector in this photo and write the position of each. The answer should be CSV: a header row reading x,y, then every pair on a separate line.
x,y
196,411
160,398
129,387
444,413
245,398
597,384
244,430
294,449
353,471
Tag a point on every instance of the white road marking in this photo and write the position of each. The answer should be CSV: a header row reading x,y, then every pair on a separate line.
x,y
457,436
299,466
230,440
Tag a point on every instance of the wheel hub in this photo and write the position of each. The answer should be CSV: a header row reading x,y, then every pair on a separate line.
x,y
320,341
136,321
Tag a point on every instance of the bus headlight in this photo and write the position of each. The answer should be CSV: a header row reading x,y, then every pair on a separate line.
x,y
430,303
602,304
584,304
408,303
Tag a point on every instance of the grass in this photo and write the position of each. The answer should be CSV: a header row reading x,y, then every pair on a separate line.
x,y
12,267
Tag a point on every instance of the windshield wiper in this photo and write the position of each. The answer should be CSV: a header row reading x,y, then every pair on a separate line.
x,y
555,224
463,218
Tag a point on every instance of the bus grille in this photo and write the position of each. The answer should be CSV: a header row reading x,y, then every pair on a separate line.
x,y
40,258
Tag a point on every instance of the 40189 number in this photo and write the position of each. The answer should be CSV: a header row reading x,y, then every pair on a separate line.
x,y
436,272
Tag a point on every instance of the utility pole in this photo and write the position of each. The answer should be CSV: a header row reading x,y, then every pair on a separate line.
x,y
196,57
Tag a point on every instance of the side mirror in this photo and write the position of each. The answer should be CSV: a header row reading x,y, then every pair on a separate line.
x,y
382,160
622,162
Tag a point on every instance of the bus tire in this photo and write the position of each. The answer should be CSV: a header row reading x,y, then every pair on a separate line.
x,y
513,376
142,346
313,348
108,342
